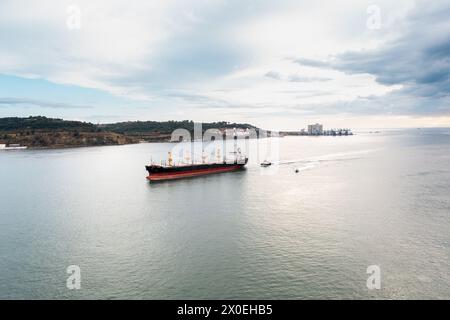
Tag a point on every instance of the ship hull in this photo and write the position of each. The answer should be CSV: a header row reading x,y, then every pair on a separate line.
x,y
159,173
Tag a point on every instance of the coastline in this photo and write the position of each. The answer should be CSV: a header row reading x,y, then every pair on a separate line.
x,y
162,140
37,133
44,141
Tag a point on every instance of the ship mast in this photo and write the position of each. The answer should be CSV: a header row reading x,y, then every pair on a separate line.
x,y
218,155
235,146
188,157
170,159
203,156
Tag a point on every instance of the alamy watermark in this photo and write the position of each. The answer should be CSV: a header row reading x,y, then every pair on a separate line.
x,y
73,21
224,145
74,280
373,21
374,279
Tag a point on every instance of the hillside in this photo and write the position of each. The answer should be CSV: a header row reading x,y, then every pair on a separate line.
x,y
43,123
167,126
43,132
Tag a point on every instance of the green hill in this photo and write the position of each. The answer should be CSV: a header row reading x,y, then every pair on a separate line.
x,y
43,123
43,132
167,126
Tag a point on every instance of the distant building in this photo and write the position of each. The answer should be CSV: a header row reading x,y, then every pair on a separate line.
x,y
315,129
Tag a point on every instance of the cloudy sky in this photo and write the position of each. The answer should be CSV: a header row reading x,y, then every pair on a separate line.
x,y
275,64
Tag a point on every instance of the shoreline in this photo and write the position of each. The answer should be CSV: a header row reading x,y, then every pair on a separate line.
x,y
76,146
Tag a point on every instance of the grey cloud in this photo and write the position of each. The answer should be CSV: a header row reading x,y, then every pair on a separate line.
x,y
311,62
297,78
198,99
293,77
419,59
43,104
273,74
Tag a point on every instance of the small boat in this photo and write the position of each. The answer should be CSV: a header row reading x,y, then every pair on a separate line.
x,y
266,163
12,147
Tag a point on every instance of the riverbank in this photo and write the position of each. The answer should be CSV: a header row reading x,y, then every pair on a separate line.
x,y
70,139
49,133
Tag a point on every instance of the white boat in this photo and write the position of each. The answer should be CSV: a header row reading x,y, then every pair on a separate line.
x,y
12,147
266,163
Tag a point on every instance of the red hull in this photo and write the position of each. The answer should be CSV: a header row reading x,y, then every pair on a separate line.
x,y
193,173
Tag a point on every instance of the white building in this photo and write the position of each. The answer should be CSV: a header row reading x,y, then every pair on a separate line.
x,y
315,129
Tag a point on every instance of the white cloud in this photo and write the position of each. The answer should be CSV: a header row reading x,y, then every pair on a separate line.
x,y
219,56
116,38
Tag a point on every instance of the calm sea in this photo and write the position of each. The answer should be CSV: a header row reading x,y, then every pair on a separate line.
x,y
370,199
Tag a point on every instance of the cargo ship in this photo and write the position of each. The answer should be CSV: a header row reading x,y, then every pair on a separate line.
x,y
162,172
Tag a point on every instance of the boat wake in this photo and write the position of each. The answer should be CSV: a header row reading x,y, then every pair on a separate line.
x,y
312,162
